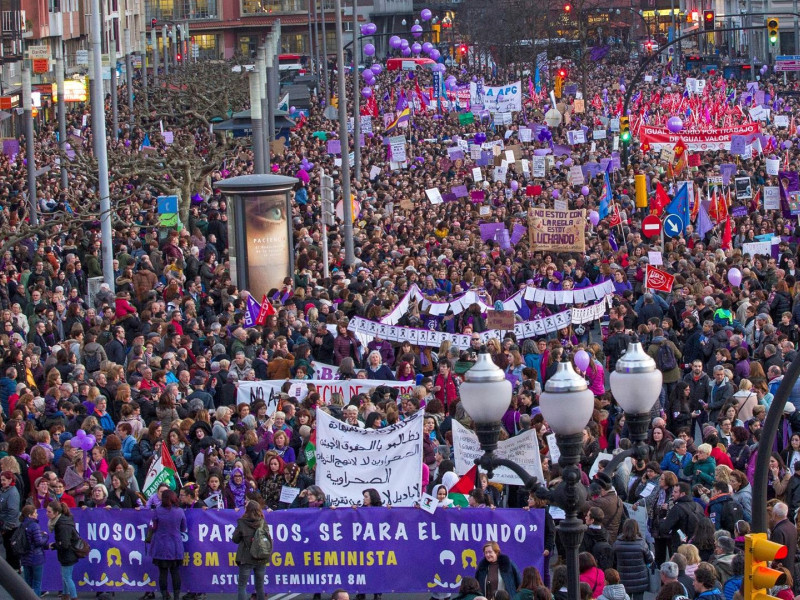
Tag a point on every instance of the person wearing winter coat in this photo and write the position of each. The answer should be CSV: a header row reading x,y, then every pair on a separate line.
x,y
61,523
531,579
591,574
9,514
246,528
166,547
632,556
33,560
497,572
613,590
703,467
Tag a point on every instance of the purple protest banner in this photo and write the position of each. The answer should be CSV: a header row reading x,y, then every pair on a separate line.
x,y
11,147
334,146
489,230
477,195
449,197
460,191
739,211
518,233
369,550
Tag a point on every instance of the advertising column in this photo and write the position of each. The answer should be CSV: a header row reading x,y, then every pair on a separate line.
x,y
259,230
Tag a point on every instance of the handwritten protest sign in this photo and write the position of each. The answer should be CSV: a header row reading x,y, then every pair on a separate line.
x,y
557,229
351,460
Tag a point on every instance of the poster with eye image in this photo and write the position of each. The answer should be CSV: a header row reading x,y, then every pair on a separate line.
x,y
259,231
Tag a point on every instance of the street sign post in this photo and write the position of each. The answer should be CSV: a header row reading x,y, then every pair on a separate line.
x,y
787,63
673,226
651,226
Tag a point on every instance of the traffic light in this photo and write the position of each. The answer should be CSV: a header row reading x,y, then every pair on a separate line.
x,y
624,130
562,73
179,57
462,49
772,30
758,577
648,46
153,23
708,20
568,8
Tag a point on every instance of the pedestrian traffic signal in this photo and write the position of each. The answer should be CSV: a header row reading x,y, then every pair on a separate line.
x,y
624,130
772,30
708,20
758,577
648,46
694,16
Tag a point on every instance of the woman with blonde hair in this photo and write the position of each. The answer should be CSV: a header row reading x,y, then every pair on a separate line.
x,y
692,556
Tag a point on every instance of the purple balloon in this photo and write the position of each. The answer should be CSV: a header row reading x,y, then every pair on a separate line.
x,y
582,360
479,138
434,54
368,76
406,51
555,194
416,30
735,277
369,29
369,50
376,69
585,192
292,109
675,124
416,47
786,144
567,162
395,42
404,43
367,92
427,47
426,14
594,218
514,185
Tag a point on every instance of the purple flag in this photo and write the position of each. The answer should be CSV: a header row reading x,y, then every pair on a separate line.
x,y
251,314
704,224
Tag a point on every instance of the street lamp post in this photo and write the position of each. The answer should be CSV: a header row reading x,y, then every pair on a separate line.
x,y
567,406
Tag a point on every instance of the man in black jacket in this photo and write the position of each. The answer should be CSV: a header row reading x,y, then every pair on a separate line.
x,y
616,344
684,516
691,346
116,350
783,531
793,492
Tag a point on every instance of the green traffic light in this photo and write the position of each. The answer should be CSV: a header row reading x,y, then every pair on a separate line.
x,y
625,137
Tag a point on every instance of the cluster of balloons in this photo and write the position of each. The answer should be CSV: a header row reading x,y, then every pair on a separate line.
x,y
370,74
83,441
407,49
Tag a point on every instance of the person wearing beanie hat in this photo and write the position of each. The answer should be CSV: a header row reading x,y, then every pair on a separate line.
x,y
605,497
702,468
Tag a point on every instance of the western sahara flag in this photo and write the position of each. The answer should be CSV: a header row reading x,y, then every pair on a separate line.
x,y
162,470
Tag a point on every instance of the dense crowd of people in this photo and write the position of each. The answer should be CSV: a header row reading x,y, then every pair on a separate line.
x,y
154,367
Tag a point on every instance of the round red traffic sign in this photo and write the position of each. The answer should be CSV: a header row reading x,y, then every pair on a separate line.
x,y
651,226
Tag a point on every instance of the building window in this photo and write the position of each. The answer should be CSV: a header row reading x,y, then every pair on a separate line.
x,y
293,43
207,47
254,7
248,46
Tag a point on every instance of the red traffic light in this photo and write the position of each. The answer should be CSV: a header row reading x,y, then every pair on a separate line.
x,y
153,22
179,57
568,8
562,73
463,49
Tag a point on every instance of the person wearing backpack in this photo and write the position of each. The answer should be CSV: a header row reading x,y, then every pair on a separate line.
x,y
254,546
93,354
682,517
32,558
722,509
667,357
61,523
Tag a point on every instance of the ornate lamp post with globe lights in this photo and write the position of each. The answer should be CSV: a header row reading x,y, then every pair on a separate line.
x,y
567,406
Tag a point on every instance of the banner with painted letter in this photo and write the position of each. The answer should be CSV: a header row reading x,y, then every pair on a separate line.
x,y
523,449
718,138
558,230
503,98
369,550
269,390
351,460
